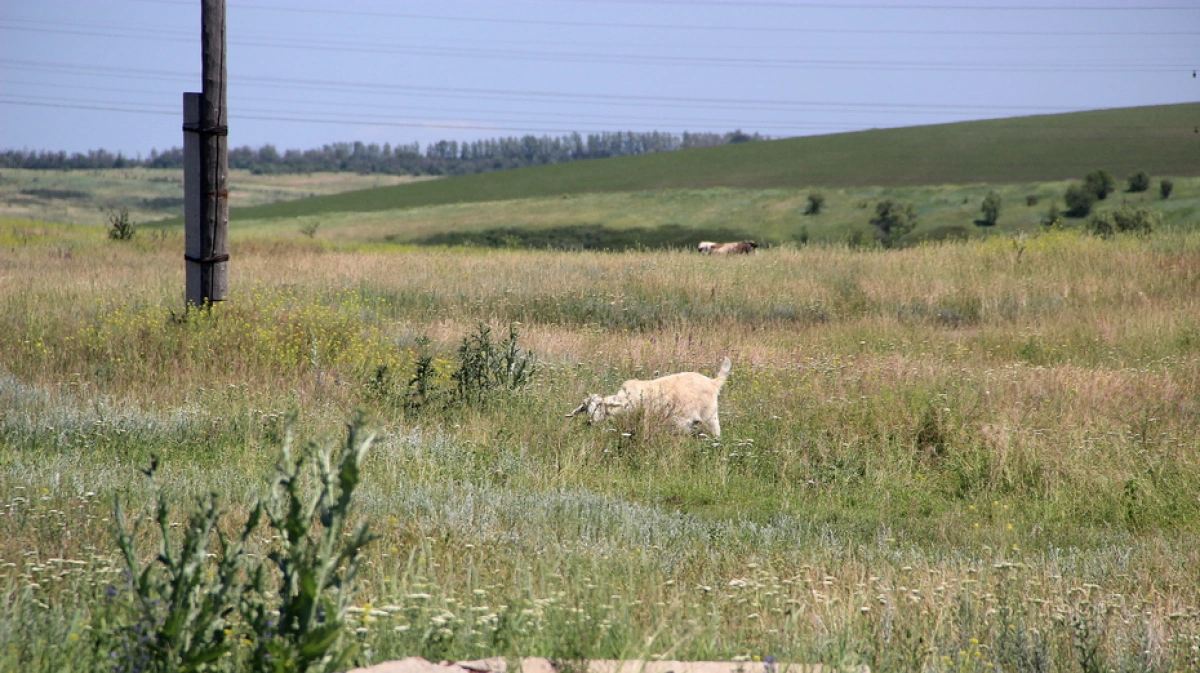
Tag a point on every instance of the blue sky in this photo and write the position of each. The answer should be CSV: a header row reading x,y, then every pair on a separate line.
x,y
78,75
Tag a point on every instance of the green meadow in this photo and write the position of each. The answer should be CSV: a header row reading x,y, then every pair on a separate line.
x,y
151,194
975,451
1160,139
681,218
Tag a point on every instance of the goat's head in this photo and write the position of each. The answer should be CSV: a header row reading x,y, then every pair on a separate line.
x,y
597,408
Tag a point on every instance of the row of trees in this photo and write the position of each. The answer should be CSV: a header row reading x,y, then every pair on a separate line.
x,y
445,157
1080,197
1098,184
893,220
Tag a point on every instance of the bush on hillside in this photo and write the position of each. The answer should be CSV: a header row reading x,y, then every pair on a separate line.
x,y
801,237
892,221
1139,182
1100,182
1079,200
1125,219
991,208
1053,217
1165,187
816,201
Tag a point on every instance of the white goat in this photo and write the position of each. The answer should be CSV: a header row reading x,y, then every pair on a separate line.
x,y
686,401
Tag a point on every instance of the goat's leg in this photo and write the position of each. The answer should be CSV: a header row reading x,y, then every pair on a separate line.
x,y
714,425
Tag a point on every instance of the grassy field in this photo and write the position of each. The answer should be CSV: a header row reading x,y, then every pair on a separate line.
x,y
1160,139
960,456
681,218
86,197
977,452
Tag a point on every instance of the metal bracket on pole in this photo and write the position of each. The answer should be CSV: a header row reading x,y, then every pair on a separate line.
x,y
206,130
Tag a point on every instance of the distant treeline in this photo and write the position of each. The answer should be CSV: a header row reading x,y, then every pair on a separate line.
x,y
445,157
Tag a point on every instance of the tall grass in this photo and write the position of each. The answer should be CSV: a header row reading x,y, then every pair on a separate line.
x,y
940,457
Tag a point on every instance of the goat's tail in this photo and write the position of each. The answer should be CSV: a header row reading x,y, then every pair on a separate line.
x,y
724,372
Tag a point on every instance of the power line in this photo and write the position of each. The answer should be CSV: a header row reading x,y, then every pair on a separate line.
x,y
474,125
686,61
910,7
245,112
180,35
742,62
682,61
90,70
638,26
502,115
351,86
151,31
449,125
588,120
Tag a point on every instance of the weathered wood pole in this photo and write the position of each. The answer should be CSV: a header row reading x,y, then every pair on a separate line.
x,y
205,176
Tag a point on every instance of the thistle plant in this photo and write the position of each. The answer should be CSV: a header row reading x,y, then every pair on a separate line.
x,y
301,628
177,613
120,228
484,366
204,594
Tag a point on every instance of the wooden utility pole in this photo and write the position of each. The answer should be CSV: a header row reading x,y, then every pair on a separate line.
x,y
206,168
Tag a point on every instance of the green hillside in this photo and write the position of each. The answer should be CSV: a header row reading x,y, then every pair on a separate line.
x,y
1159,139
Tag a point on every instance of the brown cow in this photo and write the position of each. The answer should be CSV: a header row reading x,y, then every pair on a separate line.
x,y
738,248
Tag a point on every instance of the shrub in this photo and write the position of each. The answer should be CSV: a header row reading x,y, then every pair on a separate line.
x,y
1053,217
1079,199
1102,225
1136,220
421,386
484,366
1100,183
802,236
1139,182
1125,219
816,201
120,228
1165,187
1031,200
991,208
892,221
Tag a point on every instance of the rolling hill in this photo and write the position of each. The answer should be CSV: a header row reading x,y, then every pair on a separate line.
x,y
1160,139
